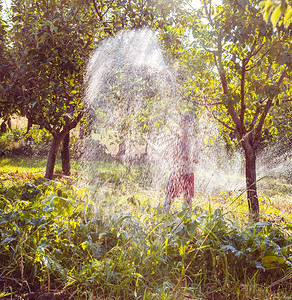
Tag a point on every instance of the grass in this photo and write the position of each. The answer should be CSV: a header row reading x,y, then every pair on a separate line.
x,y
105,237
23,165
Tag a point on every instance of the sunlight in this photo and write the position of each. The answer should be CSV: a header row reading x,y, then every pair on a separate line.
x,y
198,3
7,3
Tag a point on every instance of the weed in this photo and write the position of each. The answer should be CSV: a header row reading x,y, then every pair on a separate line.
x,y
112,241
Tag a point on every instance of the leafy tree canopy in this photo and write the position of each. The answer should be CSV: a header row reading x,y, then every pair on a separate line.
x,y
240,68
7,107
51,44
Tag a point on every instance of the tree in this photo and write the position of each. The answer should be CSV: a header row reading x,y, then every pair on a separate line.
x,y
242,69
52,42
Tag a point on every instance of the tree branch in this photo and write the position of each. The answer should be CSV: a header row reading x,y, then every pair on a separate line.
x,y
230,107
97,10
268,105
217,119
255,64
242,95
223,123
72,124
108,8
99,14
254,120
242,85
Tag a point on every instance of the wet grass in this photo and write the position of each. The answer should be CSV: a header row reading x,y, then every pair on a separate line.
x,y
106,237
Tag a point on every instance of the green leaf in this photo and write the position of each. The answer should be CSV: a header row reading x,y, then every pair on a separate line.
x,y
84,245
11,193
288,16
272,261
8,239
182,249
276,15
267,9
227,248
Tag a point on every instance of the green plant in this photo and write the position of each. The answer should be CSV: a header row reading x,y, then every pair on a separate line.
x,y
38,139
8,139
113,241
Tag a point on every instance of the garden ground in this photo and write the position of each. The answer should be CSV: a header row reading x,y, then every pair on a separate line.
x,y
110,240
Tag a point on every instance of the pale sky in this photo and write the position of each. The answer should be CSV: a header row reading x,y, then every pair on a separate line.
x,y
196,3
6,3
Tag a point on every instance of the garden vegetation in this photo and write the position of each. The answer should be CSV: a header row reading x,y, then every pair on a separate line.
x,y
59,238
63,236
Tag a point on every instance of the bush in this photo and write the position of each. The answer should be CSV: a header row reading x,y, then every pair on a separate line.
x,y
10,140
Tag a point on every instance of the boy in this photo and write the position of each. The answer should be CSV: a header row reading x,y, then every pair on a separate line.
x,y
185,153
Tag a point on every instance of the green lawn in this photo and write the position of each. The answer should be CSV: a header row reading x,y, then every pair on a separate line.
x,y
23,165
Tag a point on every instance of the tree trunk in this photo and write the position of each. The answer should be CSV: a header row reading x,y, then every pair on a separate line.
x,y
28,140
52,157
251,187
65,155
3,127
57,138
29,125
